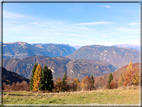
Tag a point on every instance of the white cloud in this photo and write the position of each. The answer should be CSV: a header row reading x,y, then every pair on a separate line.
x,y
35,37
134,23
77,35
107,6
94,23
21,27
11,15
129,30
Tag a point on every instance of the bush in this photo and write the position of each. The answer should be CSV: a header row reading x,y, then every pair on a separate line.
x,y
23,86
112,85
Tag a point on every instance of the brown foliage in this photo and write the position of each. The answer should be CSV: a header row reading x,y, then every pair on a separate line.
x,y
69,85
112,85
75,84
23,86
13,86
59,86
129,76
86,83
135,80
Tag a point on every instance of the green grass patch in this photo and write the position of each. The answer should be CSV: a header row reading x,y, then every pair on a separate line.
x,y
115,96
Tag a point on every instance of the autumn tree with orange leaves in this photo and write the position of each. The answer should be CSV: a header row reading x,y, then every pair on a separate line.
x,y
86,83
36,78
130,76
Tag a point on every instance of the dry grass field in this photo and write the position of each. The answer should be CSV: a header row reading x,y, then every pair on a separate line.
x,y
129,95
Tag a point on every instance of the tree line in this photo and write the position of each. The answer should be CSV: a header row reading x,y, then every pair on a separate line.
x,y
42,81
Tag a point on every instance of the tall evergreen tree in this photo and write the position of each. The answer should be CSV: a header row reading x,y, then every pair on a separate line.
x,y
46,81
65,77
110,78
31,80
92,79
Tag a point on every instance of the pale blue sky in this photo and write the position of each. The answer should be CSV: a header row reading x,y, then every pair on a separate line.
x,y
72,23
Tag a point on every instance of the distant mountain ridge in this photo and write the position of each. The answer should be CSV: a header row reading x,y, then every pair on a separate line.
x,y
131,46
98,60
76,46
118,57
58,65
23,49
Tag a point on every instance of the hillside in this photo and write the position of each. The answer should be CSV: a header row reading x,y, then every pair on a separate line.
x,y
58,65
23,49
101,81
24,66
80,68
9,77
118,57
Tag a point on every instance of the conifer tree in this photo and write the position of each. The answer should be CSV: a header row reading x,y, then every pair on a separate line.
x,y
36,78
110,78
46,82
92,79
31,80
65,77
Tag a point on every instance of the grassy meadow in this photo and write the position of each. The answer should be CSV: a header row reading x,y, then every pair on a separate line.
x,y
128,95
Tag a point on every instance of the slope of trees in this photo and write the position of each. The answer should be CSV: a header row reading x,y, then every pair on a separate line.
x,y
42,80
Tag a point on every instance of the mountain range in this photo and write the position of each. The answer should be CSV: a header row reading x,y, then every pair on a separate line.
x,y
23,49
77,68
131,46
118,57
96,60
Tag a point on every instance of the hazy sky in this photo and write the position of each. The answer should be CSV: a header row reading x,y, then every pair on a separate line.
x,y
72,23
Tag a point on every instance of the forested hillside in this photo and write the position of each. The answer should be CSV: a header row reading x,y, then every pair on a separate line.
x,y
59,65
118,57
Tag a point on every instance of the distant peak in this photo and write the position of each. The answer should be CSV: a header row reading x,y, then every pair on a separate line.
x,y
18,42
